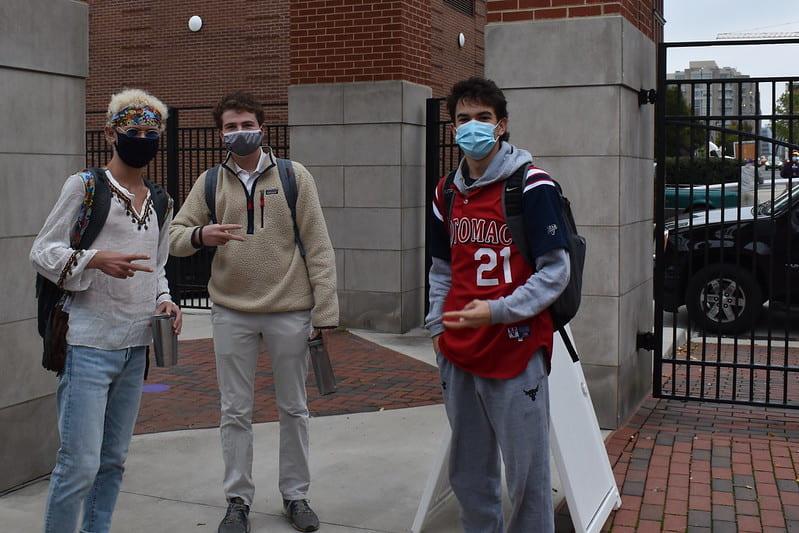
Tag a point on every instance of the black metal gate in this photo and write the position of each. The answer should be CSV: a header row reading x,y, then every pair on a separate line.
x,y
727,232
184,153
442,156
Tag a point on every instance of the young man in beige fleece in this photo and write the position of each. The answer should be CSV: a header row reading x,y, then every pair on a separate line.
x,y
261,288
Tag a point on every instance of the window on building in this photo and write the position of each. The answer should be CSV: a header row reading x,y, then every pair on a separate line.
x,y
464,6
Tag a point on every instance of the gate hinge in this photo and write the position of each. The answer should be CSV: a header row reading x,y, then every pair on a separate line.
x,y
647,96
645,341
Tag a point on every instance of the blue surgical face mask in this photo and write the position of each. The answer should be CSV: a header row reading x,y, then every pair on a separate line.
x,y
476,138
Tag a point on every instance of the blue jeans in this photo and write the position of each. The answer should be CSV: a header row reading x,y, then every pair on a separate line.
x,y
98,401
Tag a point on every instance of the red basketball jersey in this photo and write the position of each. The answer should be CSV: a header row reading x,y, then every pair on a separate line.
x,y
487,265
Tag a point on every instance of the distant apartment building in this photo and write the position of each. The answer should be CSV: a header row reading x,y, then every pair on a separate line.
x,y
725,98
766,148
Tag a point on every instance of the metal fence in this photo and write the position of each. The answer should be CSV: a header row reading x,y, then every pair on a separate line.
x,y
184,153
442,156
727,236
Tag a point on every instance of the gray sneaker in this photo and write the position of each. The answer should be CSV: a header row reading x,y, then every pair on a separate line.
x,y
236,518
300,515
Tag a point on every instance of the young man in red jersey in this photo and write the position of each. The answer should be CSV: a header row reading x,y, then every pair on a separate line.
x,y
494,343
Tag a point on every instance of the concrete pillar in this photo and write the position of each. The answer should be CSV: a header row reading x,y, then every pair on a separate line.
x,y
364,144
43,65
360,74
572,87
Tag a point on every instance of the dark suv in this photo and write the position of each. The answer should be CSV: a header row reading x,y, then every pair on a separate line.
x,y
724,264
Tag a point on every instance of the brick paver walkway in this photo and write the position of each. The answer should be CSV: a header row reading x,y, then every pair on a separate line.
x,y
688,374
369,376
700,467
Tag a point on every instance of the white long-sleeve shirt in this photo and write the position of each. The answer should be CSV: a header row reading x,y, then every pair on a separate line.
x,y
106,312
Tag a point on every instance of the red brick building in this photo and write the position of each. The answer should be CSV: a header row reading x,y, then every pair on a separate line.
x,y
266,45
642,13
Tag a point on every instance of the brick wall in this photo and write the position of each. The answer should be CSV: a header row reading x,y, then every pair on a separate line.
x,y
264,45
243,44
639,12
450,62
340,41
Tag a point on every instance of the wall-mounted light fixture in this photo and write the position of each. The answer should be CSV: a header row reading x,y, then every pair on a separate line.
x,y
195,23
461,40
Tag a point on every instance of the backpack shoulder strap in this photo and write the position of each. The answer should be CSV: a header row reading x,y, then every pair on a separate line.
x,y
211,177
288,180
94,211
162,203
512,201
449,195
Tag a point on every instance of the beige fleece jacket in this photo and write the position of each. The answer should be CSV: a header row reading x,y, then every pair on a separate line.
x,y
265,273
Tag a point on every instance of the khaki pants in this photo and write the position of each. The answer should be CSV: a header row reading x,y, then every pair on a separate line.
x,y
237,339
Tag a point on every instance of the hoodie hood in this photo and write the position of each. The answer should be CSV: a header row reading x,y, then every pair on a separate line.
x,y
506,161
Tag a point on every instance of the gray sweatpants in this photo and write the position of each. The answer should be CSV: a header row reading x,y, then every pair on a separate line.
x,y
237,339
489,416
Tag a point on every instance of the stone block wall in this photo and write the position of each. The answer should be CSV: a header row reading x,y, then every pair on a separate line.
x,y
43,66
364,144
574,104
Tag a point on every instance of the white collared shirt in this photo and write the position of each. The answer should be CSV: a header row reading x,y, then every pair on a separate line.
x,y
106,312
248,178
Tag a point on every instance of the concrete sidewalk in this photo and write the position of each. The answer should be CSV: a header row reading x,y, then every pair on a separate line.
x,y
369,471
369,468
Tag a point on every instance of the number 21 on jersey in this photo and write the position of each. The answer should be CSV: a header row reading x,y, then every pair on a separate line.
x,y
486,275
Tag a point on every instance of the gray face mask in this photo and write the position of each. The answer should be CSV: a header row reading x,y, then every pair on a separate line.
x,y
243,142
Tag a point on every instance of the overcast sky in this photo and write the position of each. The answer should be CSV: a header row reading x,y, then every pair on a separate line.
x,y
700,20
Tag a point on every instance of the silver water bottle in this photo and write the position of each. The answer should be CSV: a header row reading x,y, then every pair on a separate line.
x,y
165,341
322,367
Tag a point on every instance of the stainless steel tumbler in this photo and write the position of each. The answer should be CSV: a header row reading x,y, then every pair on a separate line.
x,y
322,367
165,341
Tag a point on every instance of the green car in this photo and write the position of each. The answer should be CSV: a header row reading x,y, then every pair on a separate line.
x,y
687,198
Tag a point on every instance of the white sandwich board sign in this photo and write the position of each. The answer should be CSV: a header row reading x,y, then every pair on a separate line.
x,y
576,445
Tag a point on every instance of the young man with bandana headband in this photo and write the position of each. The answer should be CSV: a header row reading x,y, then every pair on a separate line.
x,y
114,290
489,317
262,288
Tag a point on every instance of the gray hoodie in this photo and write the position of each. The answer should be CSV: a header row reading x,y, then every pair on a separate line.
x,y
537,293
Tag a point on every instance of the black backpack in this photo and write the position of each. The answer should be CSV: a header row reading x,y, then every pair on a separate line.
x,y
91,220
287,179
565,307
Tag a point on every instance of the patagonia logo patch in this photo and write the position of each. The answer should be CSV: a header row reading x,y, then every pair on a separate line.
x,y
518,333
271,191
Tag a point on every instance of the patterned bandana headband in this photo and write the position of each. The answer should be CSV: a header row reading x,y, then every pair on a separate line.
x,y
136,116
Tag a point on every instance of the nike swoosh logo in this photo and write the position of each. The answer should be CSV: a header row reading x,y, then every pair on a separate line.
x,y
513,189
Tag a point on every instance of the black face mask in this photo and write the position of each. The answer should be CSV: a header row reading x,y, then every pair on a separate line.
x,y
136,152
